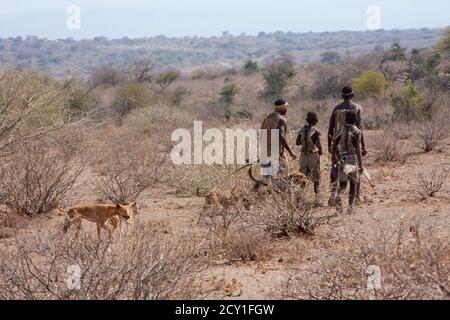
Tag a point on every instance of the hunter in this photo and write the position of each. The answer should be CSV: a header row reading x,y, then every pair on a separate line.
x,y
276,121
337,122
309,138
347,156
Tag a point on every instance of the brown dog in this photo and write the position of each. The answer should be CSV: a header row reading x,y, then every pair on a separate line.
x,y
106,216
224,198
297,177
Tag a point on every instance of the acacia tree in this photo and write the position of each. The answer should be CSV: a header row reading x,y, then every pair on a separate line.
x,y
143,70
165,79
227,95
277,76
330,57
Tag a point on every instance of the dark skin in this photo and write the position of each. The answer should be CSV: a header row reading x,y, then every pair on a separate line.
x,y
320,152
319,143
358,124
282,129
284,143
353,184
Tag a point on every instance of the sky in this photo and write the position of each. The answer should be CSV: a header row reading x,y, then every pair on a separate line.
x,y
177,18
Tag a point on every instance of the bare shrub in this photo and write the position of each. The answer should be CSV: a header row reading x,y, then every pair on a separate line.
x,y
106,75
219,220
143,70
402,131
127,165
231,236
286,211
30,105
141,266
431,134
387,148
430,183
155,119
36,178
205,177
410,266
248,245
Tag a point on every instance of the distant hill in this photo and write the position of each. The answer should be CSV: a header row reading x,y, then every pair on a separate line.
x,y
67,57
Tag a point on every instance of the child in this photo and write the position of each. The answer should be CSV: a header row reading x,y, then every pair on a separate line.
x,y
309,139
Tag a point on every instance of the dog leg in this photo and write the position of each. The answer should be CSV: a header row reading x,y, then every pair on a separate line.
x,y
77,221
99,230
67,224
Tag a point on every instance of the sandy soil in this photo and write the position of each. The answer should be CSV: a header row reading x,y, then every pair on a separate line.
x,y
391,201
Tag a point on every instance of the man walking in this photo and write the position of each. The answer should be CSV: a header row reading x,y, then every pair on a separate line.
x,y
276,121
347,155
337,122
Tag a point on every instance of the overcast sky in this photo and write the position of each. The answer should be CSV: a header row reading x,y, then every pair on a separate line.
x,y
142,18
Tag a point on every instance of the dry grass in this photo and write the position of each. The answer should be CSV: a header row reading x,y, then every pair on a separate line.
x,y
287,211
412,265
126,165
429,184
36,177
143,265
431,134
387,148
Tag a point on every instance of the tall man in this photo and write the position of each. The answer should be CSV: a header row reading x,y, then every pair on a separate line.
x,y
347,155
276,121
337,122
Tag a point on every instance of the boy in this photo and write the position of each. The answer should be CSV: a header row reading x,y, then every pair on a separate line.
x,y
311,150
347,153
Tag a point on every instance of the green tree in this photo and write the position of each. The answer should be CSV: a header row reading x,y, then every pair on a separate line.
x,y
395,53
407,103
370,83
165,79
330,57
277,77
228,93
250,66
80,100
129,97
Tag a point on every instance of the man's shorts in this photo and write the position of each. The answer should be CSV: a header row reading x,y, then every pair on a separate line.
x,y
310,165
351,160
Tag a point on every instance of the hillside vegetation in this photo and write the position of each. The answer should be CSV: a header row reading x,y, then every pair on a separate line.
x,y
67,57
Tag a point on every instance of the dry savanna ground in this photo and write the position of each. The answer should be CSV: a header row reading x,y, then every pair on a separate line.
x,y
71,142
174,248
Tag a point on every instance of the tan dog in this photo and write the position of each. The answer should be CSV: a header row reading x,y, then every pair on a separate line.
x,y
107,217
224,198
297,177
